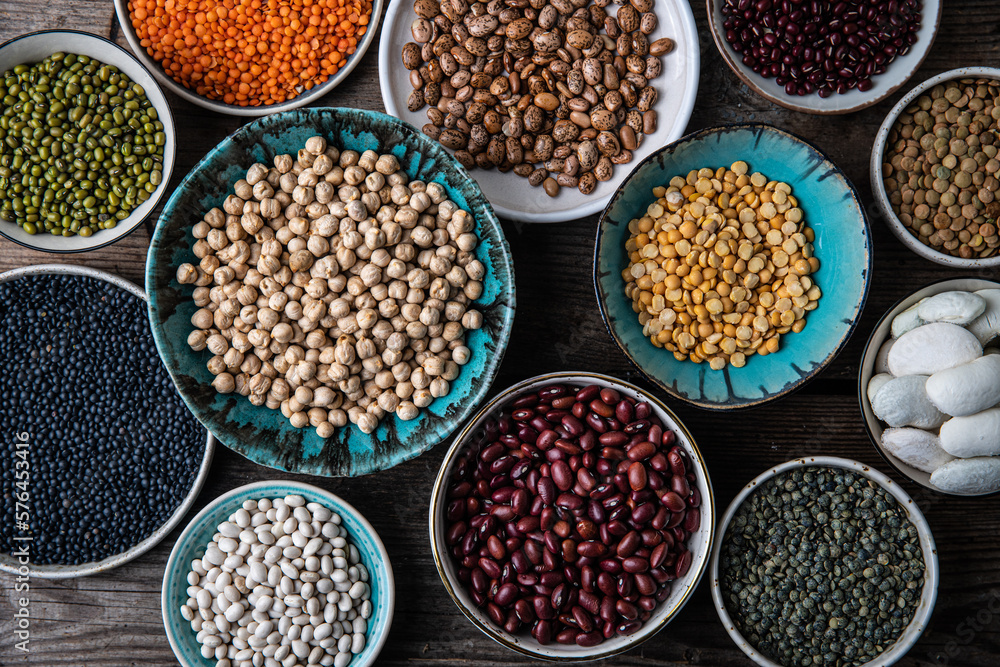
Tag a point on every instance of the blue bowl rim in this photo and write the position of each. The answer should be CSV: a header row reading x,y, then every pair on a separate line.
x,y
492,367
802,381
166,179
263,485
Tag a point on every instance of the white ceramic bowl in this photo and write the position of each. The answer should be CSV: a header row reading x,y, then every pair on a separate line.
x,y
198,533
881,333
307,96
700,543
10,564
928,596
511,195
898,72
901,231
37,46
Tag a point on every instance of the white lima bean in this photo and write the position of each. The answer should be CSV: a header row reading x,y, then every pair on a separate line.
x,y
252,603
915,447
971,476
902,401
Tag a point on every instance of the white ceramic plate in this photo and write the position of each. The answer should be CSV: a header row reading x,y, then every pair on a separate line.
x,y
9,563
928,595
898,72
37,46
511,195
121,9
895,225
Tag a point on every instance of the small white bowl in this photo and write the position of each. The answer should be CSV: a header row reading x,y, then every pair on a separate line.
x,y
302,99
700,542
881,333
928,594
897,227
11,564
885,84
512,196
37,46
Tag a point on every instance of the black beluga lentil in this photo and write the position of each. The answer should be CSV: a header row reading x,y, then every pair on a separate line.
x,y
113,450
820,566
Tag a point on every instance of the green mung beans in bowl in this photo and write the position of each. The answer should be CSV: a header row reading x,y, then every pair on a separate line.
x,y
824,561
86,141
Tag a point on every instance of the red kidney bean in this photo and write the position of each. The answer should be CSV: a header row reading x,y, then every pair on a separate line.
x,y
537,505
588,393
552,391
563,402
539,424
694,500
602,408
637,478
627,610
587,442
543,607
496,547
588,639
643,513
646,603
513,623
582,618
692,520
567,636
679,484
638,426
683,564
525,401
496,614
612,439
643,410
610,396
624,412
567,447
587,529
562,528
595,422
561,475
525,611
635,564
673,502
547,490
569,501
542,632
608,612
591,549
573,425
628,544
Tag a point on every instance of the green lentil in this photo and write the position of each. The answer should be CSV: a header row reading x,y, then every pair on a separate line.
x,y
67,123
820,566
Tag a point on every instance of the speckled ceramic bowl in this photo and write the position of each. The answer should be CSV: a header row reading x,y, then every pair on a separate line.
x,y
843,245
885,84
700,542
882,333
196,536
37,46
928,595
12,564
876,172
305,97
263,435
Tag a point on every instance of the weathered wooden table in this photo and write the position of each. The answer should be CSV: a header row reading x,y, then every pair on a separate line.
x,y
114,619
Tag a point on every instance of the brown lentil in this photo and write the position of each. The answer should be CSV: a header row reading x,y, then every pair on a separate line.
x,y
719,266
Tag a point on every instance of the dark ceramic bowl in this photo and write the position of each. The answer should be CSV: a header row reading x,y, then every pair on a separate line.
x,y
263,435
843,245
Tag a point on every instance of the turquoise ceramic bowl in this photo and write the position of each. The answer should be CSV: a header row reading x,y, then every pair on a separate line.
x,y
843,245
196,536
263,435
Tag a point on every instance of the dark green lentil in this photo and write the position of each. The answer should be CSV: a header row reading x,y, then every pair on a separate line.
x,y
68,124
113,449
820,566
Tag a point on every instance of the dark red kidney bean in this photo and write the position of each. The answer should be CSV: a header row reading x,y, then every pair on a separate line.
x,y
525,611
679,485
627,610
552,542
613,424
531,480
479,580
460,490
602,408
635,564
663,574
558,597
637,478
479,598
674,520
692,520
640,451
658,462
455,509
587,442
586,479
513,623
579,410
512,544
527,435
611,566
533,550
569,553
562,528
503,494
606,537
673,502
588,639
551,579
510,441
655,433
547,518
520,501
522,414
590,601
583,618
542,632
610,396
539,424
628,544
588,393
624,584
505,425
680,535
628,628
614,501
617,528
552,391
595,422
454,533
603,491
588,578
573,425
490,568
638,426
683,564
663,593
604,467
519,471
525,401
567,636
596,512
553,454
608,629
643,410
643,513
537,505
503,512
694,500
621,482
543,607
587,529
613,439
608,611
591,549
496,614
491,453
562,475
527,524
569,501
496,547
669,438
469,542
567,447
644,584
660,519
624,412
572,576
527,581
651,538
646,603
547,490
520,562
498,481
656,481
658,555
563,402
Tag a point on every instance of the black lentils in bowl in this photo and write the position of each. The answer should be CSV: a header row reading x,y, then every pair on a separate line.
x,y
111,449
821,566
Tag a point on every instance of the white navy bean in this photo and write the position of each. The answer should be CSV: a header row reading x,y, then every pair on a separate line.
x,y
358,644
343,659
284,624
295,501
340,563
362,571
360,625
344,644
234,612
250,504
258,519
204,599
207,651
198,567
187,613
229,529
245,654
330,530
307,591
282,512
264,504
232,562
242,518
315,655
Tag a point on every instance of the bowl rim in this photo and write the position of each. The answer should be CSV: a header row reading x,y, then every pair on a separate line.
x,y
493,362
787,101
695,574
216,504
57,571
589,206
928,595
700,135
870,351
171,145
300,100
882,203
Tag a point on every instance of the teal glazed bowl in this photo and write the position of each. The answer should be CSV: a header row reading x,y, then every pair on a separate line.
x,y
195,537
843,246
263,435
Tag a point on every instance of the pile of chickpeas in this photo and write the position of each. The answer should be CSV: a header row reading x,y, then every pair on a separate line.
x,y
719,266
332,287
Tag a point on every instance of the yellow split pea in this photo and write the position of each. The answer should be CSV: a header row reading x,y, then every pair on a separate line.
x,y
720,265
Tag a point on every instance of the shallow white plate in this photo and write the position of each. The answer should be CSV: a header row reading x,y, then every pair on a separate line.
x,y
898,72
511,195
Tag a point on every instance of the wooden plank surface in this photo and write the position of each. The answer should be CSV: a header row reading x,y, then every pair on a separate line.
x,y
114,619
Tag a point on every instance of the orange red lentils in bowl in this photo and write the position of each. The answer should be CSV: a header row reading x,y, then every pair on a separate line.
x,y
250,52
